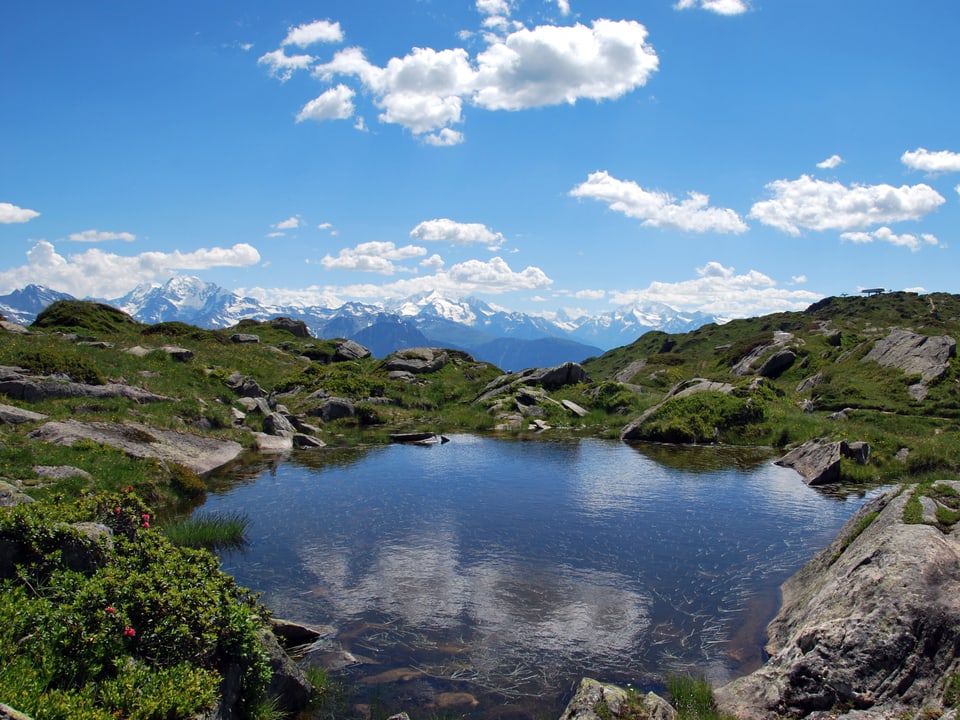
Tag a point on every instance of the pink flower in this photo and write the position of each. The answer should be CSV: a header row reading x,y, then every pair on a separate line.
x,y
146,525
110,609
116,511
145,517
129,632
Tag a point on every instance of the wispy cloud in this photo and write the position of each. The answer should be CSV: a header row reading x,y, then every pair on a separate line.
x,y
830,163
885,234
659,209
720,7
96,236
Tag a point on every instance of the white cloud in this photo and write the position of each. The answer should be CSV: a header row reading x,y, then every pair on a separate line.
x,y
334,104
10,214
319,31
551,65
720,7
444,138
885,234
434,262
830,163
563,6
425,91
95,273
282,66
798,279
818,205
493,7
942,161
719,290
590,294
375,257
95,236
659,209
291,223
457,233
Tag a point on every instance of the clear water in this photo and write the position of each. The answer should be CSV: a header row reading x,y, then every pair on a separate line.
x,y
485,577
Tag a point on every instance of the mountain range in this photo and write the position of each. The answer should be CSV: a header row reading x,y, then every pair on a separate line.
x,y
509,340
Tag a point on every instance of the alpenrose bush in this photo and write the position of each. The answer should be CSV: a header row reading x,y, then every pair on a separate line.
x,y
145,632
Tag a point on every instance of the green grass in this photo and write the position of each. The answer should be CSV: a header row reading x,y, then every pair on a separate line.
x,y
212,531
692,698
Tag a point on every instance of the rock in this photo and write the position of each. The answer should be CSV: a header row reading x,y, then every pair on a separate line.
x,y
87,549
11,415
276,424
777,364
272,443
557,377
417,360
334,409
245,339
349,350
10,495
596,701
924,355
297,328
7,712
818,461
19,386
871,623
810,384
245,386
200,454
574,408
288,684
237,417
744,366
632,431
177,353
307,442
13,328
292,633
61,472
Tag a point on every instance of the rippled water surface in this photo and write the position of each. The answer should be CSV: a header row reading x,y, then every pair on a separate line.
x,y
485,576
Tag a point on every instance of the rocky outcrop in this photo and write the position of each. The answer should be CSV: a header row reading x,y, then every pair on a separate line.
x,y
597,701
871,623
777,364
297,328
633,429
11,415
552,378
17,384
744,366
349,350
818,461
923,355
10,495
200,454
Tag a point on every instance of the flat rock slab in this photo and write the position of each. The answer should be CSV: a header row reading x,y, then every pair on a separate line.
x,y
200,454
12,415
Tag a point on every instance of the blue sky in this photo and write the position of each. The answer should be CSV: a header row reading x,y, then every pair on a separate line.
x,y
732,156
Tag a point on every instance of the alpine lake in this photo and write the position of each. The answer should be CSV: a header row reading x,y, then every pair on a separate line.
x,y
484,577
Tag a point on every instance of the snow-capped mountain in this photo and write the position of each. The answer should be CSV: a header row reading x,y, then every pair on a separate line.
x,y
22,306
512,340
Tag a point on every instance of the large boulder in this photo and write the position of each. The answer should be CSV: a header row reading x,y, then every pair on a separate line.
x,y
349,350
871,623
924,355
17,384
777,364
200,454
297,328
12,415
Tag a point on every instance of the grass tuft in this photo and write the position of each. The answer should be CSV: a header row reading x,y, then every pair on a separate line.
x,y
209,530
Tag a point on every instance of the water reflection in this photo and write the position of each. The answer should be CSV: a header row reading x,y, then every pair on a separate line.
x,y
508,570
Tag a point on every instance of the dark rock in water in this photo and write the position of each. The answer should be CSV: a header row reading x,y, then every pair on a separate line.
x,y
872,622
292,633
307,442
818,461
288,682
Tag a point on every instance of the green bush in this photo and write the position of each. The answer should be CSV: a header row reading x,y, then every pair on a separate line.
x,y
701,417
144,631
54,360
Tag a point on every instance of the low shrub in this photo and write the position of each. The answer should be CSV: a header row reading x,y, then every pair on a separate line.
x,y
145,630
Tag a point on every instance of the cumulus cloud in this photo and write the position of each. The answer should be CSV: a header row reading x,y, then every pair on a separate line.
x,y
819,205
95,236
282,66
457,233
721,291
95,273
426,90
334,104
319,31
493,7
885,234
942,161
375,257
10,214
830,163
720,7
563,6
659,209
